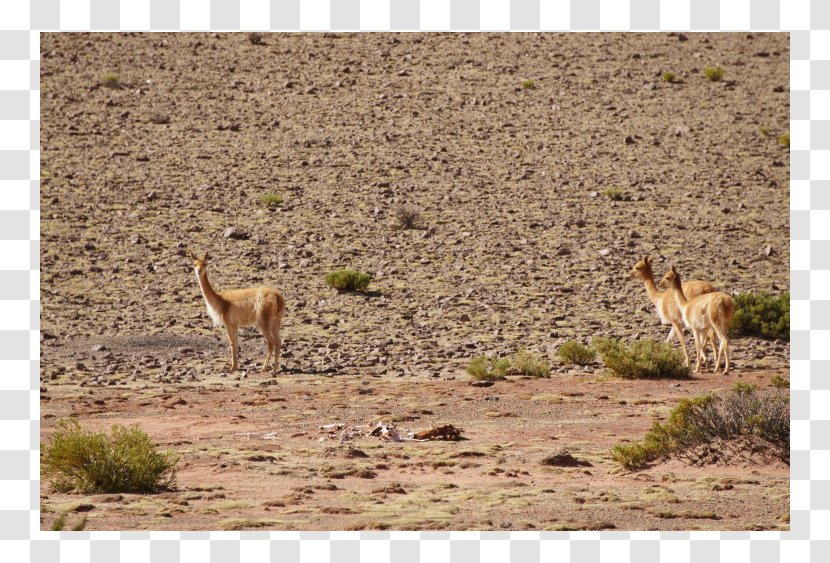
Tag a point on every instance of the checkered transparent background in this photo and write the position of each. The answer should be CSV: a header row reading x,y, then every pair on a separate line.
x,y
809,24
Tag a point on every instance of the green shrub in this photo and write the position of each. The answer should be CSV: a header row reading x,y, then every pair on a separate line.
x,y
528,84
641,358
528,363
784,139
670,77
348,280
615,194
271,200
125,461
487,368
780,382
765,130
762,314
748,419
60,523
111,80
713,73
572,352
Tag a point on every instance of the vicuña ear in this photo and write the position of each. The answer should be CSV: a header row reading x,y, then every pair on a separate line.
x,y
192,254
673,269
205,259
647,259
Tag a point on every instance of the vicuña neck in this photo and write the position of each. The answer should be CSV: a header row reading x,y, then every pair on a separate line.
x,y
213,299
651,287
678,294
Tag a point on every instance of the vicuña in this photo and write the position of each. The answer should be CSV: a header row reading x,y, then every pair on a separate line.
x,y
664,301
703,314
262,307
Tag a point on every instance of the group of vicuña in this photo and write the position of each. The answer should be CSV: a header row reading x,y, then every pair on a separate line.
x,y
695,304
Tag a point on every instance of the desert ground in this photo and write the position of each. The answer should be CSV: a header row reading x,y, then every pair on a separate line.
x,y
505,144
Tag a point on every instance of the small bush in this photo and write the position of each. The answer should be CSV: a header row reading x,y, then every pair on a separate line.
x,y
762,314
784,139
641,359
745,419
408,217
713,73
160,118
348,280
111,80
271,200
780,382
765,130
125,461
572,352
255,38
487,368
528,363
670,77
528,84
59,524
614,194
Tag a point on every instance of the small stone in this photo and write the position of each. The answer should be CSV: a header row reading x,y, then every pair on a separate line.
x,y
236,233
629,140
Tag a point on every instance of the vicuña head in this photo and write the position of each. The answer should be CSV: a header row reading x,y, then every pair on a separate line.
x,y
642,269
262,307
199,264
672,280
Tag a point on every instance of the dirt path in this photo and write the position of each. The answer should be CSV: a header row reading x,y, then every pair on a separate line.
x,y
251,456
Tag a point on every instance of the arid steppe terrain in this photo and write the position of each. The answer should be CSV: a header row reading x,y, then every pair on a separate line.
x,y
506,145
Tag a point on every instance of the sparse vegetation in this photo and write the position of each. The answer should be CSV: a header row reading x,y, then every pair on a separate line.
x,y
765,130
59,524
348,280
572,352
614,194
713,73
762,314
784,139
255,38
271,200
641,359
528,84
408,217
530,364
743,420
488,368
111,80
671,77
780,382
125,461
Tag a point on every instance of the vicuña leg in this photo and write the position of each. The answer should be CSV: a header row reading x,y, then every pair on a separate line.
x,y
265,329
234,348
678,331
723,349
699,343
275,332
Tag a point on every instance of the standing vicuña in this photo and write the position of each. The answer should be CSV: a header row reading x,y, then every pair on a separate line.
x,y
258,306
667,308
704,314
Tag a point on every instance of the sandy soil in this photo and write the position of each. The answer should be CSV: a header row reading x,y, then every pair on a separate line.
x,y
517,247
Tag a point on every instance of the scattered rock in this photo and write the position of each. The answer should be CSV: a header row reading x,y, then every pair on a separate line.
x,y
236,233
563,458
